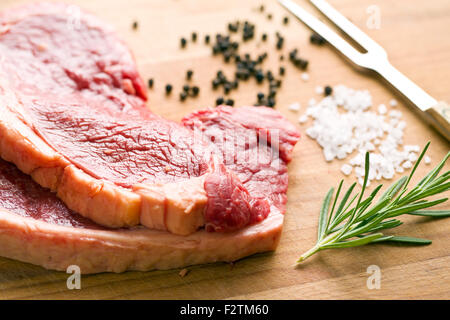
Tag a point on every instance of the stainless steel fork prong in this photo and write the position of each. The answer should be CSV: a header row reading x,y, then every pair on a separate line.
x,y
349,28
332,37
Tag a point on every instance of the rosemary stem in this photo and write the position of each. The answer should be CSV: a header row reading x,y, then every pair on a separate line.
x,y
317,247
309,253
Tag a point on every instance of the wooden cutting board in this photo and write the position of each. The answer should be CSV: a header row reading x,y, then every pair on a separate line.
x,y
415,33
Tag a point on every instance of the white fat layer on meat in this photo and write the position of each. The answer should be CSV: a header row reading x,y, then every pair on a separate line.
x,y
345,126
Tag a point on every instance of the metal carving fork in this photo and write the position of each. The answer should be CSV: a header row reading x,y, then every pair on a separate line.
x,y
436,113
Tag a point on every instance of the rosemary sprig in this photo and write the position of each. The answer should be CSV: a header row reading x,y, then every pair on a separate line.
x,y
345,226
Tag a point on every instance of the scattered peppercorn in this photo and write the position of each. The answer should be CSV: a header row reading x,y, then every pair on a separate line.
x,y
229,102
233,27
262,57
219,101
272,93
195,91
328,90
246,67
227,87
280,41
215,83
261,8
248,31
298,62
168,88
135,25
189,74
150,83
317,39
259,76
183,42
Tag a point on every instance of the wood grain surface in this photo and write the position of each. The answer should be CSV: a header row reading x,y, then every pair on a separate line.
x,y
414,33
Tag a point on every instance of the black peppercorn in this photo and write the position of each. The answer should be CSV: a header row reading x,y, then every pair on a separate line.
x,y
316,39
227,88
259,76
328,90
189,74
219,101
215,83
150,83
183,42
229,102
168,88
280,42
195,91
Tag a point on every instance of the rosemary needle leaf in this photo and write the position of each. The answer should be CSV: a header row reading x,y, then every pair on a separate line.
x,y
409,240
356,225
393,189
354,243
323,213
431,213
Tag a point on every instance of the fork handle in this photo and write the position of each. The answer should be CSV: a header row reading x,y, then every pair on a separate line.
x,y
439,115
436,113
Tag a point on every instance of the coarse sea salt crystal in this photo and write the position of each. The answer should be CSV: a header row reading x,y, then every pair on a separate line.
x,y
407,164
393,103
346,169
412,157
294,107
427,159
395,114
312,102
382,109
305,76
303,118
319,90
343,123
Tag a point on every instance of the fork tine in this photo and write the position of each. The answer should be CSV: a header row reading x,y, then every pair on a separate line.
x,y
320,28
345,25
